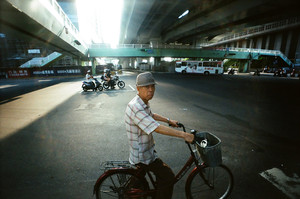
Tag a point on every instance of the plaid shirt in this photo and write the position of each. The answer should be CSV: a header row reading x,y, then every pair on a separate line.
x,y
139,126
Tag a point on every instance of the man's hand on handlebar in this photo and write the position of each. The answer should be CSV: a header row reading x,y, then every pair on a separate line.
x,y
173,123
189,137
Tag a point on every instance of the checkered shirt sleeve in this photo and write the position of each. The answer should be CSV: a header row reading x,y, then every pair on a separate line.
x,y
139,126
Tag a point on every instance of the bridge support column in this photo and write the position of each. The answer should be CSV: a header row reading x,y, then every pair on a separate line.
x,y
245,65
288,43
278,41
93,66
125,62
157,61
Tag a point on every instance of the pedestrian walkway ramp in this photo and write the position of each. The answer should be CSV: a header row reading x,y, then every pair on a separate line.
x,y
259,52
277,53
42,61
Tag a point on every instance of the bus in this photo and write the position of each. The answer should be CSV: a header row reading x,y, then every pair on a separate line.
x,y
201,67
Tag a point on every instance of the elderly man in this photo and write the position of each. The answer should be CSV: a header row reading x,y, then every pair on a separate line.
x,y
141,123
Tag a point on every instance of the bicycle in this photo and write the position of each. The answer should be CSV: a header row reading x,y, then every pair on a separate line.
x,y
209,179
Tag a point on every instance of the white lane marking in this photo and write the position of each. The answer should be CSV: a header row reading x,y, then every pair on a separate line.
x,y
131,87
290,186
44,80
8,86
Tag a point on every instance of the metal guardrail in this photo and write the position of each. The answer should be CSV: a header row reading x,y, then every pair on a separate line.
x,y
166,46
64,17
269,27
149,46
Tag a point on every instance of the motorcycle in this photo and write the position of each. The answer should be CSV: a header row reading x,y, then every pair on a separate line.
x,y
91,85
278,73
113,82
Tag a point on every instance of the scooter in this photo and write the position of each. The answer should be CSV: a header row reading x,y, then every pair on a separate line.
x,y
257,72
91,85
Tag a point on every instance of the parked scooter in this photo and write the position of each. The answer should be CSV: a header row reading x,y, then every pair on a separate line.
x,y
92,85
113,82
257,72
231,71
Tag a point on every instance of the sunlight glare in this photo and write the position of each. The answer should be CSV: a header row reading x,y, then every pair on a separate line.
x,y
100,20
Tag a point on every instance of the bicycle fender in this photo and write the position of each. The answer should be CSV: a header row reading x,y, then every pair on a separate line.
x,y
189,178
108,172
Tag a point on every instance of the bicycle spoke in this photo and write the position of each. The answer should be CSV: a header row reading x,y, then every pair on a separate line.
x,y
121,185
211,182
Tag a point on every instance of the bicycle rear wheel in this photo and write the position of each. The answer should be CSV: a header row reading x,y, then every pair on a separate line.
x,y
121,184
209,182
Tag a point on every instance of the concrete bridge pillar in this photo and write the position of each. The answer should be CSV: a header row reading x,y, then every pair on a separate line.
x,y
259,42
94,62
138,61
157,61
124,62
297,53
268,42
244,44
245,66
288,43
277,42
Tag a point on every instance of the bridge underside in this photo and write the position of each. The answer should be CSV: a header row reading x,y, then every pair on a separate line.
x,y
35,22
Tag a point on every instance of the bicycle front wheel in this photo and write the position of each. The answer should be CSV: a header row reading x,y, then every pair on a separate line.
x,y
209,182
121,184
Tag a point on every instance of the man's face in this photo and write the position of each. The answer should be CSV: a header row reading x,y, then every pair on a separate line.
x,y
146,93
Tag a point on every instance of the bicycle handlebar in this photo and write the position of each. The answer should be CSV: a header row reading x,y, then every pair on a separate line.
x,y
180,125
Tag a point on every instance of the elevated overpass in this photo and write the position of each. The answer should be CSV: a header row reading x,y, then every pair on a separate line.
x,y
147,50
179,51
42,22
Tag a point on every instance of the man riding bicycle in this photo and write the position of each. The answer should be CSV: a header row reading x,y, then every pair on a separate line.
x,y
140,124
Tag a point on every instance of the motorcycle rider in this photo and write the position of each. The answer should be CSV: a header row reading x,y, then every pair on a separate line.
x,y
89,78
108,78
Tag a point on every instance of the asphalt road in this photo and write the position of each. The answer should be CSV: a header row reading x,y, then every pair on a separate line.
x,y
54,136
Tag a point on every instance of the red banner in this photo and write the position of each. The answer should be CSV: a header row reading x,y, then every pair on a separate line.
x,y
18,73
